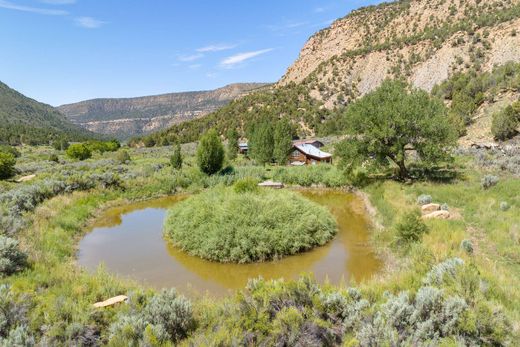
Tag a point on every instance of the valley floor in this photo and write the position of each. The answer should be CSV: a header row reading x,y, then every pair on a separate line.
x,y
478,304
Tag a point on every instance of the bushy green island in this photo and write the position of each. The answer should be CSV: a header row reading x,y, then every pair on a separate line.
x,y
248,225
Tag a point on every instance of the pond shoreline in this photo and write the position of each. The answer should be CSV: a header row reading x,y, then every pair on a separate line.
x,y
353,204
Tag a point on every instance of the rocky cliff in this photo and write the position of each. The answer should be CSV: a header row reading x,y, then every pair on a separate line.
x,y
423,41
134,116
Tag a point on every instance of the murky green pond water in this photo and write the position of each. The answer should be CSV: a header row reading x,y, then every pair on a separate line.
x,y
128,240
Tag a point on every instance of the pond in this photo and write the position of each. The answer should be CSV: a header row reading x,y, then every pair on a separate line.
x,y
129,241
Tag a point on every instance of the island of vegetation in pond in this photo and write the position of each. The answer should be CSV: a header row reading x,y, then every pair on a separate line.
x,y
245,224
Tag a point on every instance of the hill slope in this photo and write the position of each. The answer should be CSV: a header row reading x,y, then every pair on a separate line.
x,y
134,116
425,42
24,120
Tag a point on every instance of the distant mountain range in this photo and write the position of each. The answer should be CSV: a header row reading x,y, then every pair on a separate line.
x,y
24,120
126,117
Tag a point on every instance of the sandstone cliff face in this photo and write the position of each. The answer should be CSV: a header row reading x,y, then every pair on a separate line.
x,y
425,41
124,118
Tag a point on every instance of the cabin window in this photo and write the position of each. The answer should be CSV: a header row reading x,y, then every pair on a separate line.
x,y
296,153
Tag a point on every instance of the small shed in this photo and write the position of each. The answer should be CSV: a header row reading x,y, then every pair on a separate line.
x,y
243,147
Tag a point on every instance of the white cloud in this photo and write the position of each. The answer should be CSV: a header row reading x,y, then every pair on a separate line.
x,y
58,2
216,48
44,11
195,66
89,22
286,27
193,57
236,59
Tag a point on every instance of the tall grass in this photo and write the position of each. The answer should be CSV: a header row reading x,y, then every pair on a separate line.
x,y
243,226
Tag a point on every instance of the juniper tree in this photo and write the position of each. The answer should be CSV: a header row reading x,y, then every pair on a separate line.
x,y
210,153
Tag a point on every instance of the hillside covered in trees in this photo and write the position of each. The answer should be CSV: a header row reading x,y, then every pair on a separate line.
x,y
24,120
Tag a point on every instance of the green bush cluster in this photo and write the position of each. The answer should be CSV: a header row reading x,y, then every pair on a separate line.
x,y
7,162
246,185
444,311
167,317
505,123
11,258
249,226
306,176
410,227
79,151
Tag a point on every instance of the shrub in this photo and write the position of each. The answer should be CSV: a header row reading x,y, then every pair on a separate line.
x,y
10,149
123,157
504,206
245,185
54,158
424,199
467,246
489,181
411,227
176,158
79,151
60,145
171,314
167,317
442,271
210,153
226,226
7,162
18,337
11,258
505,123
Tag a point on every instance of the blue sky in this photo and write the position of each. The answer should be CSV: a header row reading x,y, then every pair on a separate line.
x,y
61,51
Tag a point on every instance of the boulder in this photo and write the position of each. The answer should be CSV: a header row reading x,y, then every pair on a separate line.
x,y
429,208
441,214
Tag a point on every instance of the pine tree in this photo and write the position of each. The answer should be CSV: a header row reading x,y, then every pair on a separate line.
x,y
282,141
210,153
232,146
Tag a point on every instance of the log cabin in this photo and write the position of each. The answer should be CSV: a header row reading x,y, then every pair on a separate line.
x,y
308,154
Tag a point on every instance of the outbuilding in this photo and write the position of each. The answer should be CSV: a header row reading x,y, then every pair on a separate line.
x,y
308,154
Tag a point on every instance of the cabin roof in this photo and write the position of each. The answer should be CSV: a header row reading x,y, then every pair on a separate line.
x,y
312,151
243,145
307,142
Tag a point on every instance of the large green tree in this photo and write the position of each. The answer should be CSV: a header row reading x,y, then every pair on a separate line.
x,y
232,146
261,142
210,153
283,134
392,120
